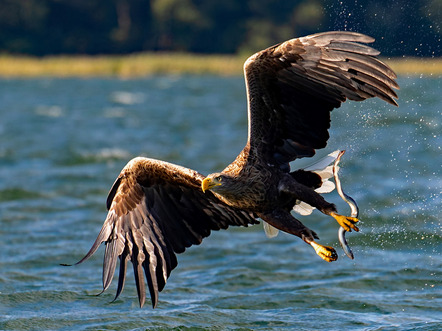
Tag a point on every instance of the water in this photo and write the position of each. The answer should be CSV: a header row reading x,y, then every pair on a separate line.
x,y
63,142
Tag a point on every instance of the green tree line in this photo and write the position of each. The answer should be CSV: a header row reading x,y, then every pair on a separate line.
x,y
43,27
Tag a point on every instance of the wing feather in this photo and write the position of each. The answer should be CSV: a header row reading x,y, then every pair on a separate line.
x,y
349,46
323,38
157,209
110,262
102,236
137,262
151,266
124,258
292,87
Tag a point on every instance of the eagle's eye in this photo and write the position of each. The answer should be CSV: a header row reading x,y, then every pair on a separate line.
x,y
219,178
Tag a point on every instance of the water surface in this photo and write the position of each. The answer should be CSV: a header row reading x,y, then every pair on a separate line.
x,y
64,141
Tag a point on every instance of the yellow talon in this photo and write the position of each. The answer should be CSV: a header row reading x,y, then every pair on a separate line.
x,y
347,222
327,253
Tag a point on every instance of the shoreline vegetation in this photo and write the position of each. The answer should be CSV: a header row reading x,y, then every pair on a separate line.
x,y
148,64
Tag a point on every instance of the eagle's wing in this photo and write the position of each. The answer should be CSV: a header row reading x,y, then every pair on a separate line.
x,y
292,88
157,209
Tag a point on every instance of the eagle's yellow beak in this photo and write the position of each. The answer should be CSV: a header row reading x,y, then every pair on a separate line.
x,y
208,183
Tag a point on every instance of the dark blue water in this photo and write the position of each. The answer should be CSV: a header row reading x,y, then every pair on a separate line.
x,y
63,142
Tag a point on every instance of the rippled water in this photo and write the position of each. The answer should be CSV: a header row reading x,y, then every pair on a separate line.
x,y
63,142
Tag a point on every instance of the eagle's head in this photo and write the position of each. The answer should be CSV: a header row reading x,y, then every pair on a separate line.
x,y
225,184
216,182
239,191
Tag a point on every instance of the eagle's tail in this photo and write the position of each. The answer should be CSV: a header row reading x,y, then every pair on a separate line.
x,y
324,169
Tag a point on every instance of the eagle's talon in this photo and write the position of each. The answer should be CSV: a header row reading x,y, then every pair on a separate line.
x,y
327,253
347,222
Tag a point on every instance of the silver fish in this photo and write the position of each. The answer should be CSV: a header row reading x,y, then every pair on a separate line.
x,y
351,202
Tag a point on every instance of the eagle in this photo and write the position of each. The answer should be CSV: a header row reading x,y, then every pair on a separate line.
x,y
158,209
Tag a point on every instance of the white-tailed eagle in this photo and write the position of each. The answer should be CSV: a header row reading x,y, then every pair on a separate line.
x,y
158,209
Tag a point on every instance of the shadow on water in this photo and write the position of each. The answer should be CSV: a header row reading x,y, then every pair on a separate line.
x,y
63,141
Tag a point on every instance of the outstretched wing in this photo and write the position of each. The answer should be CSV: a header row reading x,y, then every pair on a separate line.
x,y
157,209
292,88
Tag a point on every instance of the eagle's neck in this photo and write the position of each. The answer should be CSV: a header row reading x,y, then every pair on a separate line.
x,y
241,162
248,178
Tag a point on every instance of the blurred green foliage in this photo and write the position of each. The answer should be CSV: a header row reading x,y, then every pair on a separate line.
x,y
41,27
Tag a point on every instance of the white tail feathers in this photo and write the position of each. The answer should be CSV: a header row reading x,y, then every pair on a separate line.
x,y
324,168
324,162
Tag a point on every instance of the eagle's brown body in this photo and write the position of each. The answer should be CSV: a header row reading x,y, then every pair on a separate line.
x,y
157,209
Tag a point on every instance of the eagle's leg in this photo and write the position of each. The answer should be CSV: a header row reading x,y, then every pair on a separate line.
x,y
289,186
284,221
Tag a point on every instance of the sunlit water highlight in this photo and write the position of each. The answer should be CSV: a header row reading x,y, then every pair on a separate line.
x,y
63,142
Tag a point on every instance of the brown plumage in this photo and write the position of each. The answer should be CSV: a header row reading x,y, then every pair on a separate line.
x,y
158,209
